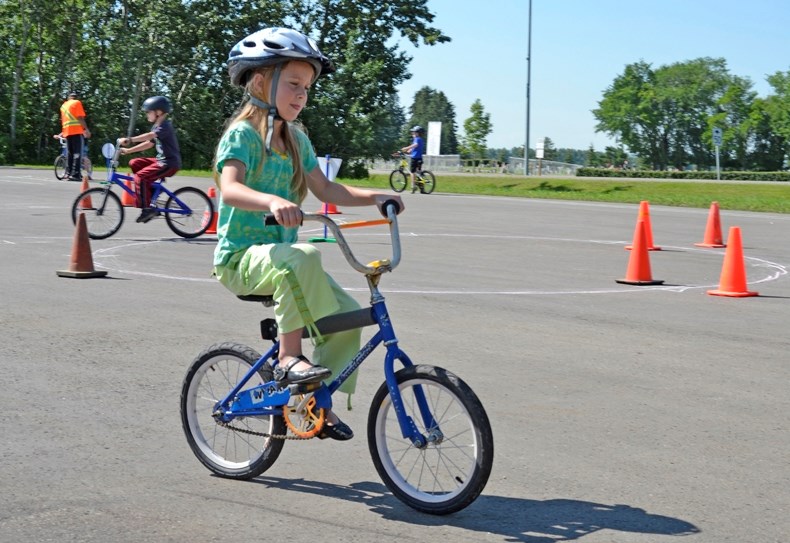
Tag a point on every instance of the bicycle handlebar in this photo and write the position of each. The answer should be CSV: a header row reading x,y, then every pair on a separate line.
x,y
390,210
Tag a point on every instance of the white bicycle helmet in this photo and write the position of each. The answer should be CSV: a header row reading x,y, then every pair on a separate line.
x,y
272,46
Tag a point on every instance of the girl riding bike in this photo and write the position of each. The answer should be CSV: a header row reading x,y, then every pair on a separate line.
x,y
265,165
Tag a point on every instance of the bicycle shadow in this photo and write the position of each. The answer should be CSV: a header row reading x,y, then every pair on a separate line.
x,y
516,519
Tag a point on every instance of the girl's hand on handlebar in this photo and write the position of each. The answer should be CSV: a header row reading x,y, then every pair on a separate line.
x,y
382,198
287,213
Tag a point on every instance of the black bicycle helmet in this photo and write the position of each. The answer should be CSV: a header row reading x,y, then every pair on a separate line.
x,y
272,46
157,103
417,128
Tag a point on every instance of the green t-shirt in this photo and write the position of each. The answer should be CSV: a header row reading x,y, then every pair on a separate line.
x,y
238,229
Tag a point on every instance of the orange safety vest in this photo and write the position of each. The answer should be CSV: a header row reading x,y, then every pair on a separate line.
x,y
70,113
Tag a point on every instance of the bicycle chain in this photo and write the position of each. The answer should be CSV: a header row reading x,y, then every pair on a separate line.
x,y
260,434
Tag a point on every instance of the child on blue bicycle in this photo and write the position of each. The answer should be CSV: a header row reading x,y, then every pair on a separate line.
x,y
147,170
266,164
415,150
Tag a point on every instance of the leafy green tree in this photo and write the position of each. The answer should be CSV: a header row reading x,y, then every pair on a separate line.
x,y
663,114
432,105
476,128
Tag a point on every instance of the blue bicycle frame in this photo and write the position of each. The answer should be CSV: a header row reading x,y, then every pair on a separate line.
x,y
159,188
269,398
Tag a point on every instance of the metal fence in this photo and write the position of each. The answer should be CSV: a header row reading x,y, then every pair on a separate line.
x,y
454,163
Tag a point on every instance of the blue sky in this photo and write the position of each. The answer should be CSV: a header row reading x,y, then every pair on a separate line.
x,y
578,48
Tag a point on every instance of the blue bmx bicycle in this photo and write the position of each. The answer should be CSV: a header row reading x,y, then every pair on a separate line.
x,y
427,432
188,211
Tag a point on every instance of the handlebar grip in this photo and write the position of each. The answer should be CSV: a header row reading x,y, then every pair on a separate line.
x,y
271,220
388,203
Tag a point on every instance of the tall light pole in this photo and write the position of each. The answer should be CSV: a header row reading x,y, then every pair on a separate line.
x,y
529,77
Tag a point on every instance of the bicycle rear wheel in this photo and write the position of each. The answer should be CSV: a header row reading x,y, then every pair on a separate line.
x,y
398,180
452,469
193,218
60,167
103,212
235,453
428,182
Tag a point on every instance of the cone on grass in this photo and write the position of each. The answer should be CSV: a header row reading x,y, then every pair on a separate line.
x,y
212,220
638,272
81,265
644,215
129,200
733,271
713,229
86,202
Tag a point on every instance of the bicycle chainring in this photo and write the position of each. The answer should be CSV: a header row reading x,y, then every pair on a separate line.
x,y
302,418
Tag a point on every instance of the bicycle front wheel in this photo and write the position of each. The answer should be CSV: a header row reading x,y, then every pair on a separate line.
x,y
236,451
60,166
449,472
398,180
103,212
193,218
428,182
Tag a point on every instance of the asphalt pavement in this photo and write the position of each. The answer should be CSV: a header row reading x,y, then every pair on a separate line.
x,y
620,413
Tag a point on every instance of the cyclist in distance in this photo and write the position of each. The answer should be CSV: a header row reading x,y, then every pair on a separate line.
x,y
168,154
415,151
265,164
75,130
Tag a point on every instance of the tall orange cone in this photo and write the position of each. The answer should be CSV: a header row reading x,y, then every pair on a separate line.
x,y
638,272
212,220
81,266
733,272
713,229
86,202
129,200
644,215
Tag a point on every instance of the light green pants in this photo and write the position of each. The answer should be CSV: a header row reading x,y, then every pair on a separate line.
x,y
303,292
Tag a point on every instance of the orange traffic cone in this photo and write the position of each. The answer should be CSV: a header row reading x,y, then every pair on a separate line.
x,y
644,215
81,266
638,272
713,229
329,209
212,220
733,272
129,200
86,202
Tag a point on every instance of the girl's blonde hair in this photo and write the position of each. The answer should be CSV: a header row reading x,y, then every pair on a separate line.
x,y
258,85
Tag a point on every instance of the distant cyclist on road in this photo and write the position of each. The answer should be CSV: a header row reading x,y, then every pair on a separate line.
x,y
415,151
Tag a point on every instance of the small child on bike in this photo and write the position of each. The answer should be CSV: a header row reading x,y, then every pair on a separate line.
x,y
147,170
415,151
265,164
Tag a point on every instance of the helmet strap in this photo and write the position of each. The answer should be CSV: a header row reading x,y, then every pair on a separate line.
x,y
271,108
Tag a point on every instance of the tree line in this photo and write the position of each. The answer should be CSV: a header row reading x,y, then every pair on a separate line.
x,y
666,116
115,53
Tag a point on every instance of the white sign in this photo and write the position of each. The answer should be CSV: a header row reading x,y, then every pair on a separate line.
x,y
540,144
539,152
434,138
717,136
330,170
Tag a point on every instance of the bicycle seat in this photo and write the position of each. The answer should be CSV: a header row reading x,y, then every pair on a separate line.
x,y
265,299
